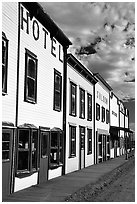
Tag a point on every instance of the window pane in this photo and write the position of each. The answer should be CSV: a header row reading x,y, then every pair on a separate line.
x,y
89,107
72,141
23,139
3,51
23,163
5,155
57,99
57,91
31,77
44,143
23,150
73,99
97,112
54,148
82,103
32,68
31,88
5,145
34,148
89,141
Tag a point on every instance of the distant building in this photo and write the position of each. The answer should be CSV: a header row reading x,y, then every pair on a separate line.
x,y
80,116
102,120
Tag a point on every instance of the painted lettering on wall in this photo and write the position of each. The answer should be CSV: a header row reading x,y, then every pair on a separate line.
x,y
26,22
113,113
101,97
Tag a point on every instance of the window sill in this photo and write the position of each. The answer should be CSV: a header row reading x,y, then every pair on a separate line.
x,y
4,94
23,174
72,156
55,166
30,101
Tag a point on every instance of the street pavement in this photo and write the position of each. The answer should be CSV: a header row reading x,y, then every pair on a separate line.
x,y
57,189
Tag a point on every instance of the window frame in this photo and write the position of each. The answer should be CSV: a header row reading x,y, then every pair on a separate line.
x,y
55,107
10,131
73,113
89,107
32,56
58,148
89,140
103,114
107,116
82,104
5,65
97,113
72,139
30,149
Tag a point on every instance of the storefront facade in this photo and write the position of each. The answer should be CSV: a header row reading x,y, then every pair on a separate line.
x,y
9,82
80,116
102,120
114,125
33,145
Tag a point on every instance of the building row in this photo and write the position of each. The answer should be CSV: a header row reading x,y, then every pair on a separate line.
x,y
57,116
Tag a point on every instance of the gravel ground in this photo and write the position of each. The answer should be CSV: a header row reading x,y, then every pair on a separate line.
x,y
117,186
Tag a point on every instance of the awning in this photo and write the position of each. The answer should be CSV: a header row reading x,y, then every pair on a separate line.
x,y
115,128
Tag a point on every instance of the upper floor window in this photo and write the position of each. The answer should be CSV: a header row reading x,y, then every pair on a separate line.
x,y
89,107
103,114
57,90
73,98
97,111
82,103
30,77
107,117
4,62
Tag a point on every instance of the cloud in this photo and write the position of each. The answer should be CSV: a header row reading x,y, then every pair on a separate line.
x,y
103,37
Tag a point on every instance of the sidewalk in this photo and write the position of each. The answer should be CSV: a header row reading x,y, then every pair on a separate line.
x,y
56,190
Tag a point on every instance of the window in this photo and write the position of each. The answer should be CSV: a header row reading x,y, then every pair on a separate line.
x,y
30,77
56,149
103,114
72,135
6,138
73,98
82,103
57,90
107,117
4,62
89,140
97,111
44,143
89,106
27,154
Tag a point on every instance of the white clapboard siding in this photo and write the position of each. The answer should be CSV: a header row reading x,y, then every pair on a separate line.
x,y
72,164
105,92
41,113
114,111
10,28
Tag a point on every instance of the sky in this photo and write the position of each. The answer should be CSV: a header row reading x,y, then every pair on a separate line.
x,y
103,38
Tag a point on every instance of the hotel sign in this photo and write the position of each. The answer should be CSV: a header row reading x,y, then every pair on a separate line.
x,y
32,27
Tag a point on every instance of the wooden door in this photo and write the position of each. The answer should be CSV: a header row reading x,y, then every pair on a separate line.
x,y
7,138
82,147
44,155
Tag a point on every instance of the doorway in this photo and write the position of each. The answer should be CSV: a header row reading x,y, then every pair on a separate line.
x,y
44,155
82,147
7,138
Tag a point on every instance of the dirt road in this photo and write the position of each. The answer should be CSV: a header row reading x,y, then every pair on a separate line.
x,y
118,186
